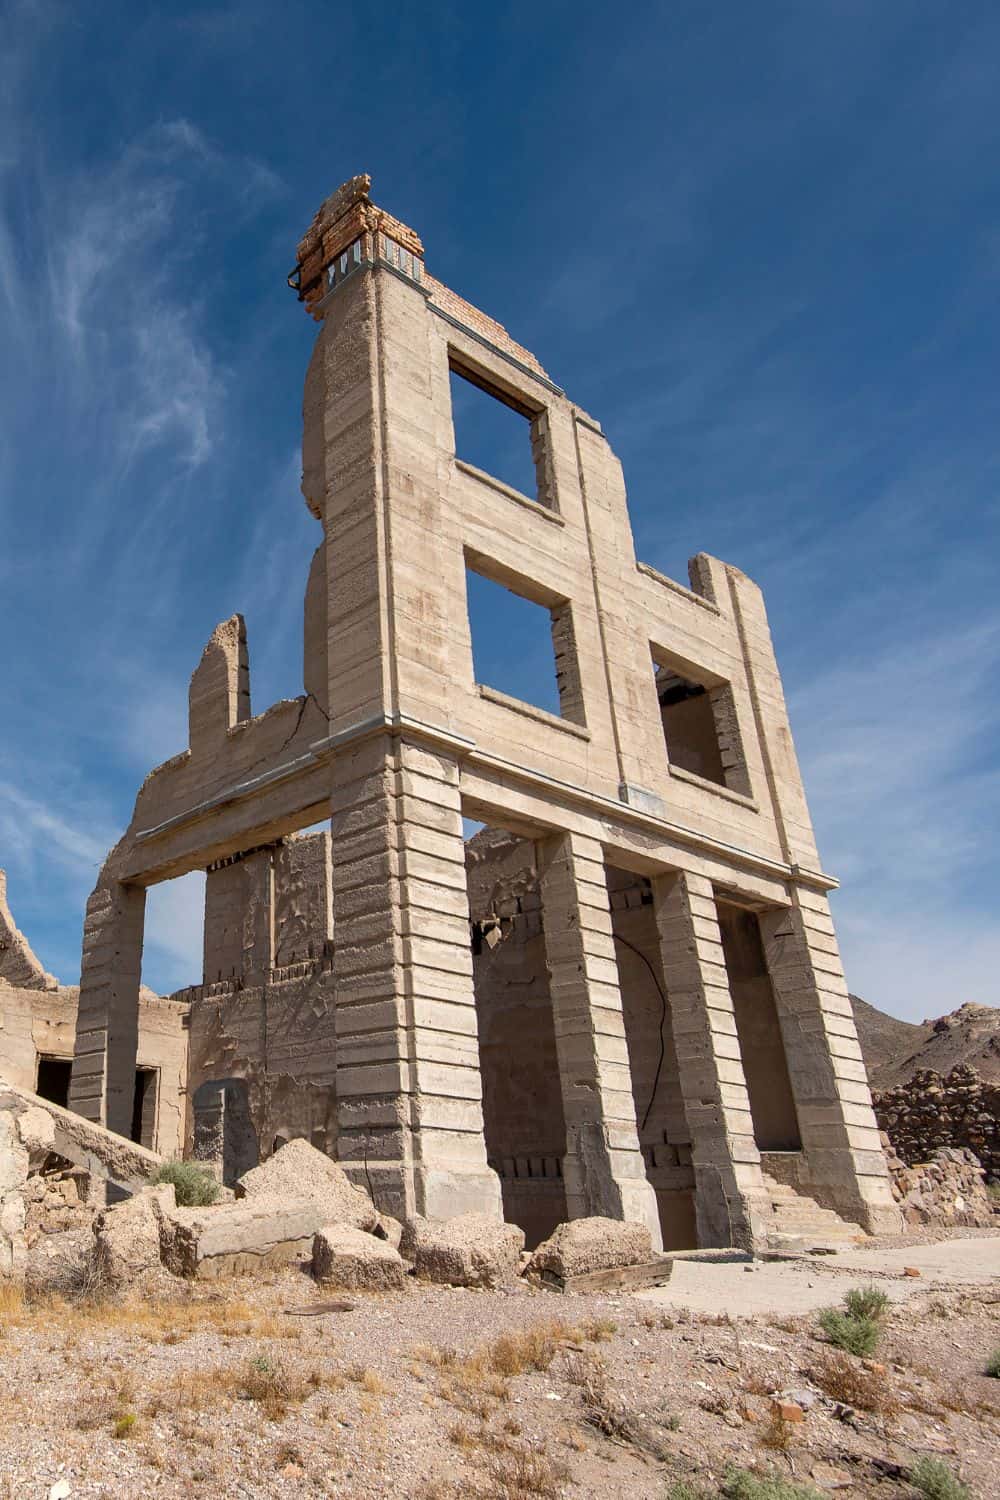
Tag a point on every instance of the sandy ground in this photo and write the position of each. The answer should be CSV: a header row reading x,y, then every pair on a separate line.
x,y
439,1393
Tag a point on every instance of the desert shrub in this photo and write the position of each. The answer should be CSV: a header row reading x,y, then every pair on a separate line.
x,y
992,1366
741,1484
195,1186
993,1189
126,1426
856,1335
866,1302
842,1380
935,1481
519,1473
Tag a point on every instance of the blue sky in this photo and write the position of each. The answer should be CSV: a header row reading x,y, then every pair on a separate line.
x,y
760,243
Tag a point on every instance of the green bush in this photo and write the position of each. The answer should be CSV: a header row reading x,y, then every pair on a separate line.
x,y
195,1186
855,1335
992,1366
740,1484
866,1302
935,1481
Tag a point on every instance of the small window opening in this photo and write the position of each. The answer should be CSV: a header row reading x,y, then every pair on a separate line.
x,y
144,1107
524,649
689,726
701,728
498,433
53,1080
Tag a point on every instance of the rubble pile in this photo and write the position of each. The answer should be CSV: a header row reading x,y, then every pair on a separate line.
x,y
949,1188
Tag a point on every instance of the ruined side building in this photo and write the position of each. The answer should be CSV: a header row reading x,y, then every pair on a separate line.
x,y
644,1013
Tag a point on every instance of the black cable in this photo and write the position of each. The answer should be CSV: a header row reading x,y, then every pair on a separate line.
x,y
663,1020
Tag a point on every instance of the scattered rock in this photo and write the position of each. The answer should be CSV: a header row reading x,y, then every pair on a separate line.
x,y
470,1250
788,1411
347,1257
593,1244
830,1477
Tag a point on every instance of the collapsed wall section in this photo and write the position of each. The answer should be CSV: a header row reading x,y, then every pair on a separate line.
x,y
263,1036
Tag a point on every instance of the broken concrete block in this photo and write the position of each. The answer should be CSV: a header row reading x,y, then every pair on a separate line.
x,y
37,1131
298,1170
347,1257
592,1244
471,1250
390,1230
127,1236
231,1238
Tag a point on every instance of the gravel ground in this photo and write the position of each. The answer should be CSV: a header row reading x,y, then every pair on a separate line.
x,y
225,1392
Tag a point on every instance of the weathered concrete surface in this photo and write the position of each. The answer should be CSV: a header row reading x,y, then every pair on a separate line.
x,y
233,1238
127,1237
469,1250
346,1257
18,965
796,1287
593,1244
101,1152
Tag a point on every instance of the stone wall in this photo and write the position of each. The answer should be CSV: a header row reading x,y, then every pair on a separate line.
x,y
932,1112
948,1189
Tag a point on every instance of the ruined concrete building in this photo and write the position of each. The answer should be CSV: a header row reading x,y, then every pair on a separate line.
x,y
644,1013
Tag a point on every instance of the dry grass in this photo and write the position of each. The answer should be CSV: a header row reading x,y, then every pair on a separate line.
x,y
841,1378
369,1380
776,1433
523,1474
158,1321
607,1413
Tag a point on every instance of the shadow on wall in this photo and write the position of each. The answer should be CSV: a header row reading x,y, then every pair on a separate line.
x,y
224,1134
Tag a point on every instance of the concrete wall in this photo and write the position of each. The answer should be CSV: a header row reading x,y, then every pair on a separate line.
x,y
41,1024
264,1016
395,740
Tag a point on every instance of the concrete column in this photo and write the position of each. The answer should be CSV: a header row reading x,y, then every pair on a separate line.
x,y
408,1082
843,1163
102,1087
603,1167
723,1151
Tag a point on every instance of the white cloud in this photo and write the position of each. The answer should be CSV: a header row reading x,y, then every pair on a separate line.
x,y
893,747
27,824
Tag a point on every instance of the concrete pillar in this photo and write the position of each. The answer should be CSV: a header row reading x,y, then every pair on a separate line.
x,y
408,1083
843,1163
724,1154
102,1086
603,1167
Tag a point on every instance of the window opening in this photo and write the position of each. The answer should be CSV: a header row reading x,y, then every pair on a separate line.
x,y
689,726
53,1080
144,1107
497,433
523,648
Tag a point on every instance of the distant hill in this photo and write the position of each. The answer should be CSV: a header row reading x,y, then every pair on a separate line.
x,y
895,1050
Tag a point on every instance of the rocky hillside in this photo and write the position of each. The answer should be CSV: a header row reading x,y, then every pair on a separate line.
x,y
896,1050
